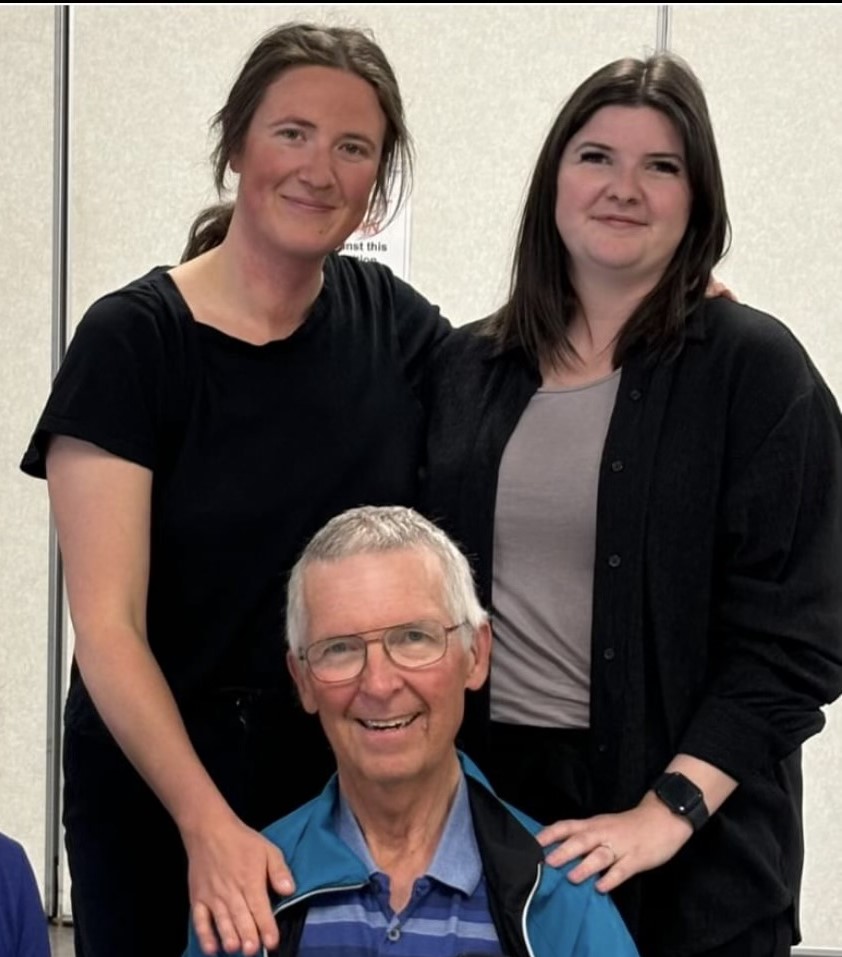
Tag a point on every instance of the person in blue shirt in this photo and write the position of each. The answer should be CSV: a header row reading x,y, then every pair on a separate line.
x,y
23,926
408,849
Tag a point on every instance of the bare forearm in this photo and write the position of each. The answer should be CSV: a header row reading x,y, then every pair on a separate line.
x,y
646,836
135,702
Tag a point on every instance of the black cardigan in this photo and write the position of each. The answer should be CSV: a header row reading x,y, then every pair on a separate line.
x,y
717,614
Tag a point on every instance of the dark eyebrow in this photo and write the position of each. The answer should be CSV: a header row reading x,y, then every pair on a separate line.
x,y
592,144
673,156
309,125
361,634
360,138
296,120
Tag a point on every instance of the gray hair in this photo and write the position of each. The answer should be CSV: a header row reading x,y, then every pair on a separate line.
x,y
384,528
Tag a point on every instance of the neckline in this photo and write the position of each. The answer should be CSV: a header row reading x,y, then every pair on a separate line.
x,y
206,330
561,390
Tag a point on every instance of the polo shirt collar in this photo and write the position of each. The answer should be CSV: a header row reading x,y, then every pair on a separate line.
x,y
456,862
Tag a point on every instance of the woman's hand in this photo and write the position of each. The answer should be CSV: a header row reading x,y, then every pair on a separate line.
x,y
618,845
716,288
231,867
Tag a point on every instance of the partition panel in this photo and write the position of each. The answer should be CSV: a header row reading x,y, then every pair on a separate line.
x,y
26,159
773,77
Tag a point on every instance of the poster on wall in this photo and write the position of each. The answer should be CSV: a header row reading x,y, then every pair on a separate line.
x,y
389,246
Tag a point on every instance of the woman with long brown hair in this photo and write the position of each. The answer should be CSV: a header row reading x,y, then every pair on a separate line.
x,y
650,484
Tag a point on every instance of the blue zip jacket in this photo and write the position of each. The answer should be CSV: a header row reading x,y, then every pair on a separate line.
x,y
536,911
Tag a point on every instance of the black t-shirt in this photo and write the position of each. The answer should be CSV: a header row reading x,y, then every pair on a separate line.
x,y
252,449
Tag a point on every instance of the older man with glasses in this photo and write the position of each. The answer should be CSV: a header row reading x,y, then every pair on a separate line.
x,y
407,852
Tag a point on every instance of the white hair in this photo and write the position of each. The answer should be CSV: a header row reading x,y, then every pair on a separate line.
x,y
384,528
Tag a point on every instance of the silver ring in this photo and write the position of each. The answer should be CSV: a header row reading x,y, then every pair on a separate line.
x,y
614,855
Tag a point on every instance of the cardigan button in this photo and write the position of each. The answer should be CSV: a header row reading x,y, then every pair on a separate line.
x,y
614,561
608,654
635,395
617,465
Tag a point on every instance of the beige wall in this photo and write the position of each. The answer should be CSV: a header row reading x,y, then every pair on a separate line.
x,y
482,84
26,161
149,78
773,76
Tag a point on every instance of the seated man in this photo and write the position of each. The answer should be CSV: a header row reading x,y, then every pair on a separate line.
x,y
407,851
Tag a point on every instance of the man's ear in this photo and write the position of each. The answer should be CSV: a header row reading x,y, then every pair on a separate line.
x,y
302,683
480,655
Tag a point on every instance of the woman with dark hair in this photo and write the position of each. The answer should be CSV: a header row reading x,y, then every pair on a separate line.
x,y
650,484
207,420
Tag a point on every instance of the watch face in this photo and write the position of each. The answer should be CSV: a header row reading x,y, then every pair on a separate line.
x,y
678,793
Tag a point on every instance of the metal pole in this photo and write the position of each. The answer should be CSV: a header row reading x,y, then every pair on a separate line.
x,y
663,30
56,621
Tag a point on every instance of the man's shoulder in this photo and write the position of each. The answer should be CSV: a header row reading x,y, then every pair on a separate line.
x,y
12,855
505,835
287,831
560,915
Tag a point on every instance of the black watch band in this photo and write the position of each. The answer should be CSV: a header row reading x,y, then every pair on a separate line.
x,y
682,797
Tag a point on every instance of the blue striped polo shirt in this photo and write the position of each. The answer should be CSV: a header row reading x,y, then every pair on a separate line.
x,y
447,914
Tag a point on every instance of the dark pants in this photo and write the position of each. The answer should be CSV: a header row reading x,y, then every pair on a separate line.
x,y
127,864
546,773
766,938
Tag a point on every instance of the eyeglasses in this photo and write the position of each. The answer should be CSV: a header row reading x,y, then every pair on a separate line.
x,y
410,646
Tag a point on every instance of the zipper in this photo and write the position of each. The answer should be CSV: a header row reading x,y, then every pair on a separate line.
x,y
314,893
526,911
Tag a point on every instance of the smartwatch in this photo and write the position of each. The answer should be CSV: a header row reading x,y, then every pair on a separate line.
x,y
682,797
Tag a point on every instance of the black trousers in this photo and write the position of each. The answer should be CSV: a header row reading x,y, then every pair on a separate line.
x,y
766,938
127,864
546,773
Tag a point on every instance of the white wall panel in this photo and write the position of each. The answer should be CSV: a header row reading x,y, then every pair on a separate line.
x,y
481,85
26,105
773,77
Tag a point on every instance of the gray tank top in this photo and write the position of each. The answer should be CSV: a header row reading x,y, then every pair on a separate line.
x,y
544,542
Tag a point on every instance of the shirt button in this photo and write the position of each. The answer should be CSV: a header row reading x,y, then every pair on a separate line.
x,y
394,933
608,654
602,748
635,395
617,465
614,561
